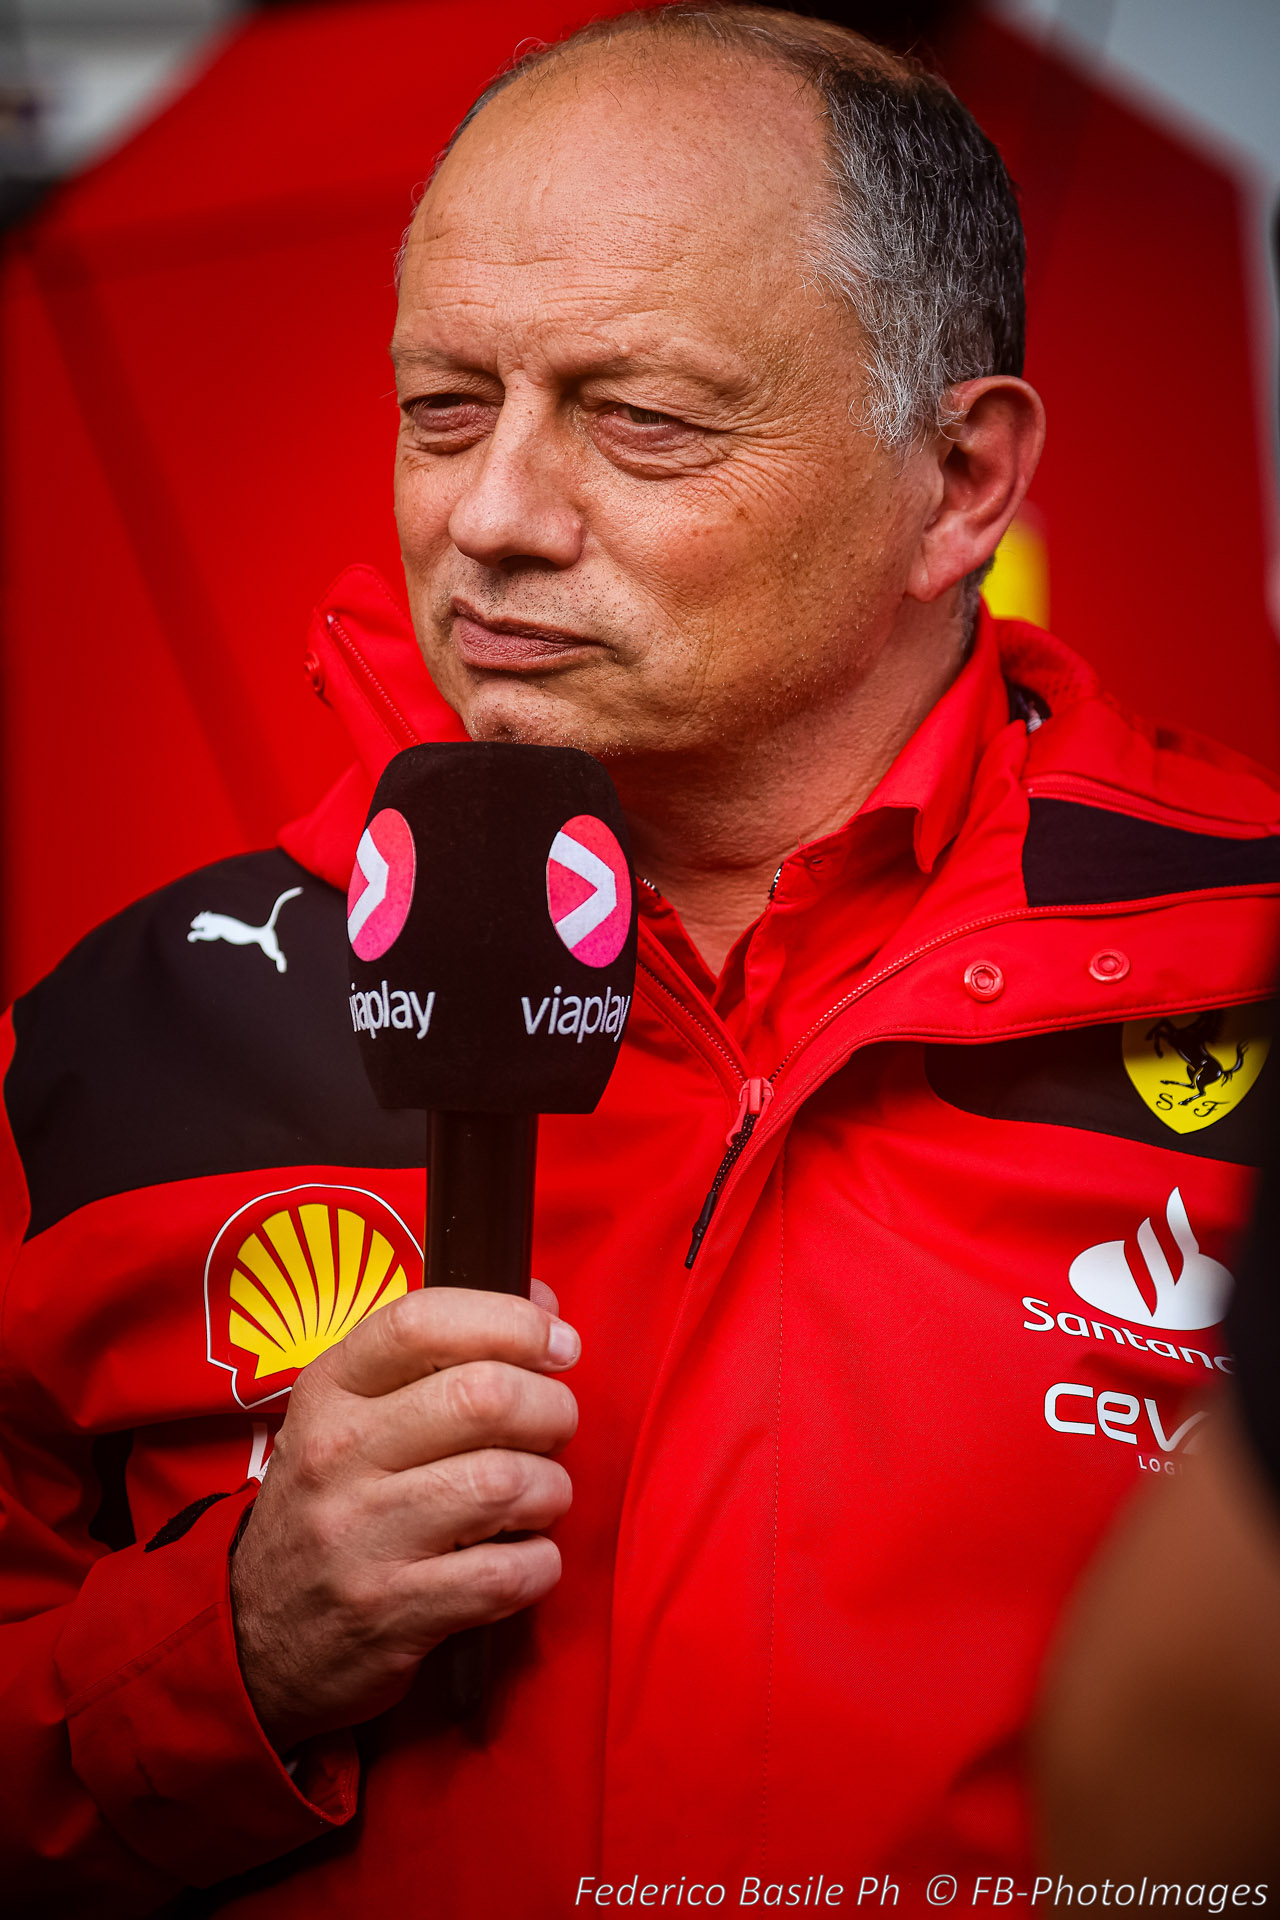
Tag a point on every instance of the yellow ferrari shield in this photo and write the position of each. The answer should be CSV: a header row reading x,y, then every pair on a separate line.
x,y
1192,1069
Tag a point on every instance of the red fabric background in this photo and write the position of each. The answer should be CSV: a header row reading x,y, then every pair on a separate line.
x,y
197,430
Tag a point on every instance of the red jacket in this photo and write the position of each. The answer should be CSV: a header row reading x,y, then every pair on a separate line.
x,y
960,1270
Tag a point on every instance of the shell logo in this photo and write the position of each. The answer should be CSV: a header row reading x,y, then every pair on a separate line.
x,y
291,1273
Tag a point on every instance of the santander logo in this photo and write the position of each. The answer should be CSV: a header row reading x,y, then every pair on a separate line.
x,y
589,890
1195,1297
381,890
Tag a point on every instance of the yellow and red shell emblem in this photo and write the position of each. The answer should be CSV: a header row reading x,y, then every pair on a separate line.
x,y
292,1273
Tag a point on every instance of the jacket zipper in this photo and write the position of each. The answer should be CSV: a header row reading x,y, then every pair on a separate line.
x,y
374,692
752,1101
756,1094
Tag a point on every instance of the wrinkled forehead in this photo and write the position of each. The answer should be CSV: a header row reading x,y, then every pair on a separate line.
x,y
665,185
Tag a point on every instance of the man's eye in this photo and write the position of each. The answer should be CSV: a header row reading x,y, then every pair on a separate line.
x,y
643,441
629,416
430,406
645,417
449,419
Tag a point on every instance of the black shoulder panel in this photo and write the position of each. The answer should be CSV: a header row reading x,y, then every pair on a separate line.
x,y
1077,1079
204,1030
1083,856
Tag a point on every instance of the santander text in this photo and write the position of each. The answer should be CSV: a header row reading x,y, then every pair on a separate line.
x,y
1083,1329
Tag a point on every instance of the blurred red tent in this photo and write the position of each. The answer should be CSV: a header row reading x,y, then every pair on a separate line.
x,y
198,421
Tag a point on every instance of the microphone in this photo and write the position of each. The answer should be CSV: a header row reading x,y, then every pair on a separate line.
x,y
492,927
491,917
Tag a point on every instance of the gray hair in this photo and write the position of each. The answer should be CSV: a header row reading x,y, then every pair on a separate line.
x,y
923,240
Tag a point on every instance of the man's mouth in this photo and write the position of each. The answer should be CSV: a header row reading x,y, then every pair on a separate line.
x,y
500,645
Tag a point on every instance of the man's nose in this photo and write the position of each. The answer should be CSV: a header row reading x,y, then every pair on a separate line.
x,y
517,507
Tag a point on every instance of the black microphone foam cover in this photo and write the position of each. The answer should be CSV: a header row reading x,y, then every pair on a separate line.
x,y
492,924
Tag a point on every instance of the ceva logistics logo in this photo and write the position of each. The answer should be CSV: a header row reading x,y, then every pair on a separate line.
x,y
1197,1297
291,1273
381,890
589,890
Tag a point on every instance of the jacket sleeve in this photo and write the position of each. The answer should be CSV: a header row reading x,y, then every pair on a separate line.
x,y
133,1762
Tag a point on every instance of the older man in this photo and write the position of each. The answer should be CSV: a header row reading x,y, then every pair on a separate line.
x,y
901,1235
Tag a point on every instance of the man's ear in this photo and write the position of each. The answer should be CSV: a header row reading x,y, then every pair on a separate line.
x,y
985,459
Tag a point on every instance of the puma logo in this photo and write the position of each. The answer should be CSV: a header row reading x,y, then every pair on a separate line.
x,y
220,926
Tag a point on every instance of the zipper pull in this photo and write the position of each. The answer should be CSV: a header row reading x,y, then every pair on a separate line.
x,y
754,1098
752,1101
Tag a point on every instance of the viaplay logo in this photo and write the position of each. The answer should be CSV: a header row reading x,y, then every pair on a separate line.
x,y
381,890
589,890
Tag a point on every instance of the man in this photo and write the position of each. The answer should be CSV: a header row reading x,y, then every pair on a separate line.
x,y
709,358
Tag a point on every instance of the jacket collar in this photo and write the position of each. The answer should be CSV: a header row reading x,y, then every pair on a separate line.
x,y
932,776
363,661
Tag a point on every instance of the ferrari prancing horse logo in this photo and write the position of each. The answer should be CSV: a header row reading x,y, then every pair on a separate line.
x,y
1193,1069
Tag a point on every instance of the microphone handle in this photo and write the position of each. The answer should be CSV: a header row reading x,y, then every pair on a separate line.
x,y
480,1177
480,1169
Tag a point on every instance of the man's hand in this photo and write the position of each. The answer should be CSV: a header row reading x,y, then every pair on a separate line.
x,y
424,1431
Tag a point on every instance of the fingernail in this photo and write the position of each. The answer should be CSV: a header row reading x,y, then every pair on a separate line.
x,y
563,1344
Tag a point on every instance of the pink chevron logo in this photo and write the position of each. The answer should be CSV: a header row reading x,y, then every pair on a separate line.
x,y
589,890
381,890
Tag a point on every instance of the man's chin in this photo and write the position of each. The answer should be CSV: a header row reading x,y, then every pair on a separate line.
x,y
526,715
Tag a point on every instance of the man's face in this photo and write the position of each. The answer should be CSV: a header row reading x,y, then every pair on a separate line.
x,y
636,510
